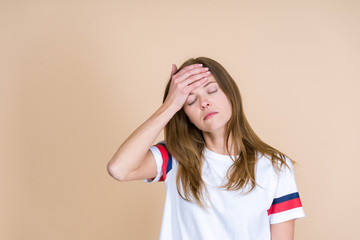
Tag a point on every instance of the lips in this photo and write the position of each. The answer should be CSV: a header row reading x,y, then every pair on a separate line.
x,y
209,115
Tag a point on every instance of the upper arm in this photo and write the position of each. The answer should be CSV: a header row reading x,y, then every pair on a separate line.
x,y
146,170
283,231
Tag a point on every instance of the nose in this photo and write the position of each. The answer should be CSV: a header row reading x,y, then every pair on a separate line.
x,y
205,104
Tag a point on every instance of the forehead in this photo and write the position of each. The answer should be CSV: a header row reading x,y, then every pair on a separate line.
x,y
211,78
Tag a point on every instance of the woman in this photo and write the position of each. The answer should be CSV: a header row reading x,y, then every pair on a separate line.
x,y
222,181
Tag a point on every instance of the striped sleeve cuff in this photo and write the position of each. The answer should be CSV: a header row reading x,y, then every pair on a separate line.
x,y
163,162
159,162
286,208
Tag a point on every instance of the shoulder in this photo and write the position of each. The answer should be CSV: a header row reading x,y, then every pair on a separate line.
x,y
265,161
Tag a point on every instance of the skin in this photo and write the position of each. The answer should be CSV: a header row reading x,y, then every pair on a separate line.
x,y
283,231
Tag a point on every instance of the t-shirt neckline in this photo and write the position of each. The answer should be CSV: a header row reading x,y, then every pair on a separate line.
x,y
212,154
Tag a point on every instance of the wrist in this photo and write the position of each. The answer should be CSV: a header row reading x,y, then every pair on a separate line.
x,y
169,108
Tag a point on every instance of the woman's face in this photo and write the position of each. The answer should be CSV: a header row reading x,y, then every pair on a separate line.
x,y
208,108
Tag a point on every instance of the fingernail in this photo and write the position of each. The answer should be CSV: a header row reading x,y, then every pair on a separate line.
x,y
200,65
206,68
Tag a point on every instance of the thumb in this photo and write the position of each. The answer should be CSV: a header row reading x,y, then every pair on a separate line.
x,y
174,69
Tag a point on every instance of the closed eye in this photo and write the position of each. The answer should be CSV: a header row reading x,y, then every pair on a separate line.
x,y
192,102
212,91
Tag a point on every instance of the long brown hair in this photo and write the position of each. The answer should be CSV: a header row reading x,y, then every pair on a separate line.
x,y
186,142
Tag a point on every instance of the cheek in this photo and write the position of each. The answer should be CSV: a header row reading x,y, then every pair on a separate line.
x,y
229,114
189,113
230,110
192,114
227,106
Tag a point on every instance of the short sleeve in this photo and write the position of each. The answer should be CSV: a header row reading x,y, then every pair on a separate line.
x,y
163,161
286,204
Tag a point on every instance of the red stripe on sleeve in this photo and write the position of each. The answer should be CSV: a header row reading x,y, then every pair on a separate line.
x,y
165,157
284,206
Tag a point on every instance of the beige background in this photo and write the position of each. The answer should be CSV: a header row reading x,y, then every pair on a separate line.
x,y
77,77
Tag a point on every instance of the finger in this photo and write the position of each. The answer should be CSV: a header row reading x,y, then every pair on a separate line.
x,y
196,77
196,84
173,70
193,72
188,68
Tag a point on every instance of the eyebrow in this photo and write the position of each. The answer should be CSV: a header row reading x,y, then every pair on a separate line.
x,y
205,85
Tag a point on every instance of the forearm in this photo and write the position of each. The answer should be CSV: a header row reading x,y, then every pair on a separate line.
x,y
283,231
132,151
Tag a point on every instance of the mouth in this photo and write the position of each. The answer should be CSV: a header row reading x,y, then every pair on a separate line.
x,y
210,114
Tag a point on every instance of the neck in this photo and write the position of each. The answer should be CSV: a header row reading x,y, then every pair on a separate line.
x,y
216,142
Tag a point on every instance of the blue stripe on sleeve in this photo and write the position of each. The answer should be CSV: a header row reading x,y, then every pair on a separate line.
x,y
169,166
286,198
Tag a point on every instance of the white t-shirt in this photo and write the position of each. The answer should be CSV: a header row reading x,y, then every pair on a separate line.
x,y
231,215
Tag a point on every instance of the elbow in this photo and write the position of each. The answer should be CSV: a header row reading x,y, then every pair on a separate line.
x,y
115,172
